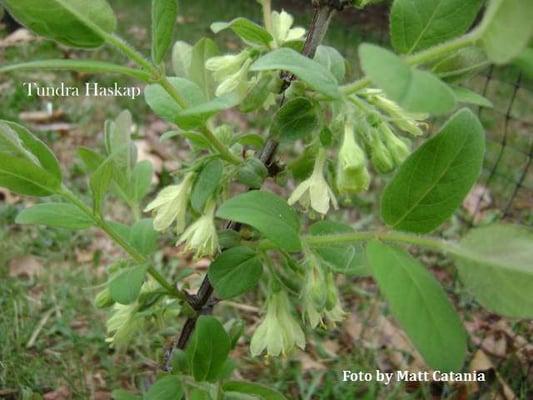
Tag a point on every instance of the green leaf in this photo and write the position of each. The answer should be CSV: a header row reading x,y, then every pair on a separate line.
x,y
525,62
252,173
100,182
464,95
494,264
72,22
417,300
208,349
119,145
164,15
58,215
166,388
143,236
432,183
235,272
254,389
414,90
247,30
78,65
419,24
203,111
90,158
36,147
332,60
207,183
344,258
166,107
141,179
203,50
268,213
461,64
307,70
126,286
506,29
258,94
296,119
120,394
181,59
24,177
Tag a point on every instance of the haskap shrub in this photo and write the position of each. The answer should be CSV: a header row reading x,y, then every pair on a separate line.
x,y
350,132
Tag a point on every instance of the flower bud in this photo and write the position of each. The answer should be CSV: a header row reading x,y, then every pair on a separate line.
x,y
224,66
407,122
398,149
103,299
379,154
352,173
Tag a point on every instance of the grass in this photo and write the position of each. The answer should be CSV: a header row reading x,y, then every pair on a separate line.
x,y
53,311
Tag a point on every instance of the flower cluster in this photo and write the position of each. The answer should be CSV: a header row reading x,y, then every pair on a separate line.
x,y
279,332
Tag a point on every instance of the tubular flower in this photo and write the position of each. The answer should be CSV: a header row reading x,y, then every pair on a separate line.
x,y
405,121
398,149
281,28
279,332
379,154
315,190
231,71
171,204
352,172
201,237
325,308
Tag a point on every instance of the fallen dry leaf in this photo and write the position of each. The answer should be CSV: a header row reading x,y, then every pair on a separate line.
x,y
20,36
478,200
25,266
62,393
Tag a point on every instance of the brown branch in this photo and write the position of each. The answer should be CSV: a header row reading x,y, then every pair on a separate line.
x,y
203,302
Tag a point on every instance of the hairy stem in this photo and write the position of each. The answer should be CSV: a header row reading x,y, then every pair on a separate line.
x,y
128,248
423,57
387,236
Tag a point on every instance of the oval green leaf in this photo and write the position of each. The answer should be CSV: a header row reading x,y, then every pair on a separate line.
x,y
414,90
164,15
57,215
417,300
296,119
247,30
126,286
208,349
419,24
235,271
309,71
268,213
166,388
76,23
495,265
432,183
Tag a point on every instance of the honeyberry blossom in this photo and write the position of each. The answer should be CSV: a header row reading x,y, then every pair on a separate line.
x,y
352,172
315,191
171,205
279,332
231,71
201,237
282,30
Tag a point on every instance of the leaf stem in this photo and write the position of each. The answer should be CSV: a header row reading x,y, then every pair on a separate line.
x,y
132,251
387,236
423,57
219,146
